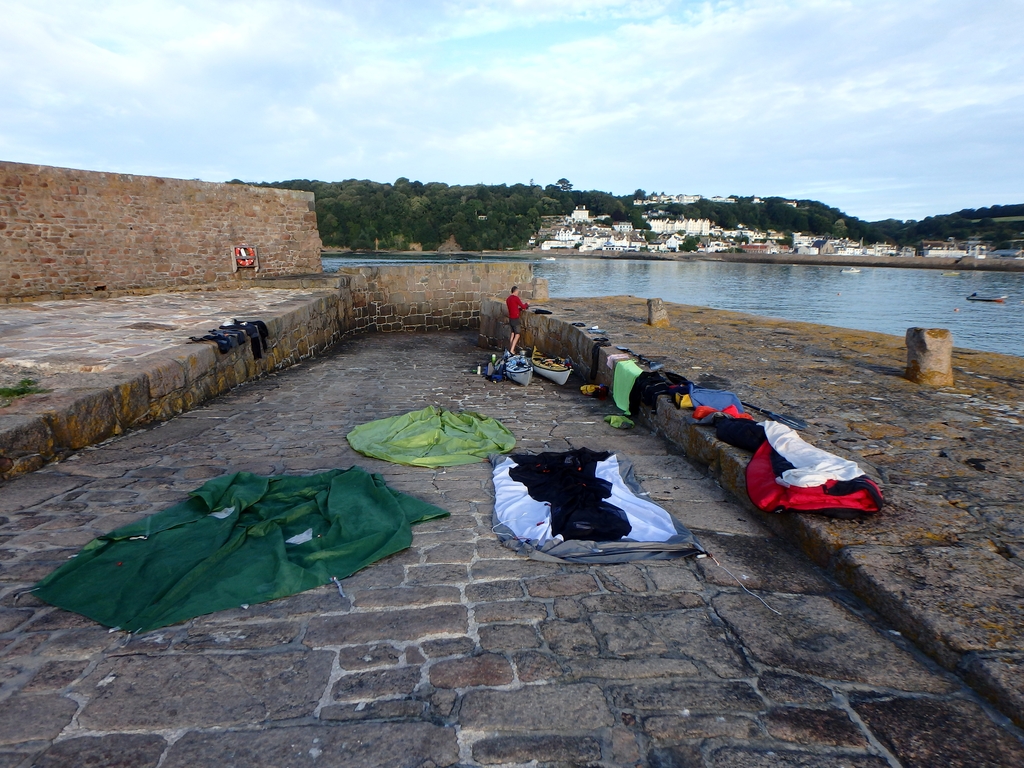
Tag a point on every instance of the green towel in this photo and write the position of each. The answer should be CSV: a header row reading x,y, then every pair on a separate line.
x,y
619,422
432,438
228,545
626,372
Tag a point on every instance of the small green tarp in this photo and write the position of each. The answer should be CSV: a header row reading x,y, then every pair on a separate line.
x,y
228,546
432,437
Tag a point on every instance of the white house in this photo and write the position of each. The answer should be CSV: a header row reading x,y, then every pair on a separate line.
x,y
580,214
622,226
947,249
667,243
802,241
568,235
547,245
625,241
595,238
698,227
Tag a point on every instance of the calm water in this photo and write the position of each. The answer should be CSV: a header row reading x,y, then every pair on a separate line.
x,y
876,299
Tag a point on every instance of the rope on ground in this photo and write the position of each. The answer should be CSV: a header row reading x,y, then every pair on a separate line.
x,y
743,587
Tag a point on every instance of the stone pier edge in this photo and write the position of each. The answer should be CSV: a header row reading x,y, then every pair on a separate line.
x,y
811,533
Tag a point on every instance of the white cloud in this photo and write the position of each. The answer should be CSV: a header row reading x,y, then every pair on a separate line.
x,y
881,107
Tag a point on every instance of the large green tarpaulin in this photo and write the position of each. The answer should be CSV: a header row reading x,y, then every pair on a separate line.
x,y
228,545
432,438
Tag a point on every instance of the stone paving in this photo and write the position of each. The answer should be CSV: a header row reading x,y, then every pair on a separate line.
x,y
46,338
457,652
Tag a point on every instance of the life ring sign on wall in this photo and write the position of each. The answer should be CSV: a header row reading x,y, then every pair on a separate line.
x,y
245,258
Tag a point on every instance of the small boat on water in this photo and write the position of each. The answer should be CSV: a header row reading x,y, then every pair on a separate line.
x,y
997,299
550,367
519,369
549,258
950,274
849,271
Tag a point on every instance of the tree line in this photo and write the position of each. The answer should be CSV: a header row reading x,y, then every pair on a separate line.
x,y
368,215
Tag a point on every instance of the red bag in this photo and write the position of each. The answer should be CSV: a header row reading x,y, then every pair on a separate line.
x,y
845,499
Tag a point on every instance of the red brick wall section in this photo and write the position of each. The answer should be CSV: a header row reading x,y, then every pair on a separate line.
x,y
66,232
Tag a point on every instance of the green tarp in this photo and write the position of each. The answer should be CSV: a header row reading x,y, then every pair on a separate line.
x,y
228,546
432,438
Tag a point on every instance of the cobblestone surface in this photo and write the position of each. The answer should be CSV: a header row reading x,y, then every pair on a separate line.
x,y
456,652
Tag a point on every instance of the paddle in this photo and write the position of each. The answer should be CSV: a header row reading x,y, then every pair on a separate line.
x,y
644,360
789,421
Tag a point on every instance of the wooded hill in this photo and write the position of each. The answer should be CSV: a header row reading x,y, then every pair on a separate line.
x,y
1001,226
362,214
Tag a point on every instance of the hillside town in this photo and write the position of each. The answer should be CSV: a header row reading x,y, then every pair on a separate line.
x,y
581,231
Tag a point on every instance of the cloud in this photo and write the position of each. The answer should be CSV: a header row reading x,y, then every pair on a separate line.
x,y
881,107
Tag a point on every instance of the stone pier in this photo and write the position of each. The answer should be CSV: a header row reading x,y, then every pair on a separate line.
x,y
457,652
892,641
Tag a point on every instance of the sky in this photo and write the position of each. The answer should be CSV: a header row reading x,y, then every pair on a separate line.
x,y
882,108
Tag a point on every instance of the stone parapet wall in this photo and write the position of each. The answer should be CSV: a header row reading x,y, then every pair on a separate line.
x,y
67,232
555,336
429,297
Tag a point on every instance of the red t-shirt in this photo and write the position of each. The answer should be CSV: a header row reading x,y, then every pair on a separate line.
x,y
515,306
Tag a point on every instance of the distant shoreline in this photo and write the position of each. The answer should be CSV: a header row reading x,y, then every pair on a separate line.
x,y
917,262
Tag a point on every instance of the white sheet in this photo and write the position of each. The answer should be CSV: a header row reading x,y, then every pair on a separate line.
x,y
813,466
531,520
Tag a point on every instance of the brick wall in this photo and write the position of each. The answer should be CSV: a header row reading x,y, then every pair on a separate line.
x,y
67,232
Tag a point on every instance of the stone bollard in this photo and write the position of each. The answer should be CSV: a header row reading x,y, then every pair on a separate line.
x,y
539,289
930,356
657,315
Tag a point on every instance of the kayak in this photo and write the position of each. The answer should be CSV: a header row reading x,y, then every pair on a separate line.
x,y
519,369
550,367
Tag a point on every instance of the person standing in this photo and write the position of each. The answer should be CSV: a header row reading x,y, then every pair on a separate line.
x,y
515,306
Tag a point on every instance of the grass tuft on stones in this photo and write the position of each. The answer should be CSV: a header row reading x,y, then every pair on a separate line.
x,y
22,388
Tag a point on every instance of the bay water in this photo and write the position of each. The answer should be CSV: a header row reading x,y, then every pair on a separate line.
x,y
880,299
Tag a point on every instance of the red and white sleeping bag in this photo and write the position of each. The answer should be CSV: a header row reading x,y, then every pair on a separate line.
x,y
788,474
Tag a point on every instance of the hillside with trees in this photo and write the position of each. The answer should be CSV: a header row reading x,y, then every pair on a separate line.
x,y
369,215
363,214
1000,226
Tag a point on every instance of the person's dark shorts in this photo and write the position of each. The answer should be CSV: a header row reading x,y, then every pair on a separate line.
x,y
515,325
